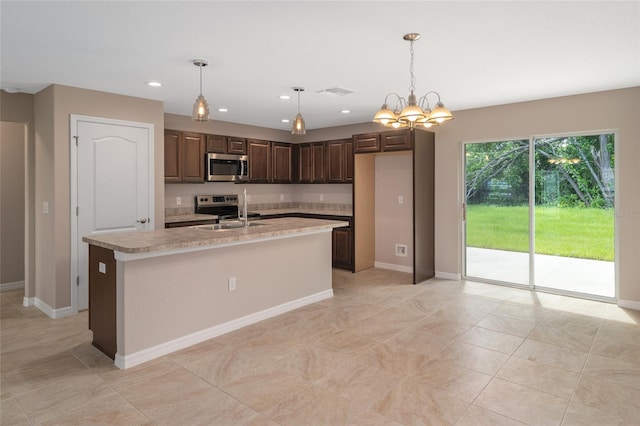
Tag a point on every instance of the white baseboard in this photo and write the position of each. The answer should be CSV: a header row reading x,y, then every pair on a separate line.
x,y
448,276
16,285
162,349
52,313
28,301
393,267
629,304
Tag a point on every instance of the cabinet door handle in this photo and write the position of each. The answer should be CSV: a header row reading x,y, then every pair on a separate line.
x,y
142,220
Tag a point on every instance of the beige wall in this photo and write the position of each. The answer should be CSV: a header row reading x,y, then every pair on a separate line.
x,y
394,221
13,138
19,108
615,110
53,107
182,122
215,127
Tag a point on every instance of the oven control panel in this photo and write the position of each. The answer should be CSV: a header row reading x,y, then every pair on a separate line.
x,y
213,200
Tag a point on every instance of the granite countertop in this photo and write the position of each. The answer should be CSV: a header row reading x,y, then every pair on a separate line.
x,y
318,211
187,237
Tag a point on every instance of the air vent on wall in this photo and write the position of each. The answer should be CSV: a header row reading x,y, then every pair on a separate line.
x,y
337,91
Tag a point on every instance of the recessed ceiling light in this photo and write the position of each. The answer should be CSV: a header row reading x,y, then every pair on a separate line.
x,y
345,111
154,83
223,109
285,120
284,97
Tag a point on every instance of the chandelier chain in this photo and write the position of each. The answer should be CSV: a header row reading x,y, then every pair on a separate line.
x,y
412,80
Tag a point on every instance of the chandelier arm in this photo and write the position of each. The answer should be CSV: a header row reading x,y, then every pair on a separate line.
x,y
386,98
434,92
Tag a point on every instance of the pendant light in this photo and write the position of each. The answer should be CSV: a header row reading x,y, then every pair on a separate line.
x,y
411,112
200,107
298,128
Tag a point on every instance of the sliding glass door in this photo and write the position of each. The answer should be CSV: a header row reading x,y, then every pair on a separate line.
x,y
497,211
559,239
574,214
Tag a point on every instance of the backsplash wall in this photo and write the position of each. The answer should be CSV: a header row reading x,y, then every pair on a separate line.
x,y
259,193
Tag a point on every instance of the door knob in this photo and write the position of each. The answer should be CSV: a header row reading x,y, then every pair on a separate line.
x,y
142,220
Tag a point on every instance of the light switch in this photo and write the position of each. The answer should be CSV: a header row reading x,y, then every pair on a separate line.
x,y
400,199
178,201
45,207
102,268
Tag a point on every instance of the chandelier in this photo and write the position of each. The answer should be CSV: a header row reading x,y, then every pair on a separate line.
x,y
409,112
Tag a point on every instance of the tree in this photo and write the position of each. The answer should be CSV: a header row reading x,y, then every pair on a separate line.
x,y
583,166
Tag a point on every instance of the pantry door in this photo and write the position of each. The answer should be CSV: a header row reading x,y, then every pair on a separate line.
x,y
111,184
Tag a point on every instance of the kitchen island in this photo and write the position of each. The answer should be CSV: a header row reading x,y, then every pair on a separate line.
x,y
155,292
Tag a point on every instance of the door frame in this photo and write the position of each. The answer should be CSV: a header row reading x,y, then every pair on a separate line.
x,y
74,119
532,285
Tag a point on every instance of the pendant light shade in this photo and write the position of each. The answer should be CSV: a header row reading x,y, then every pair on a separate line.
x,y
411,112
200,107
298,128
384,115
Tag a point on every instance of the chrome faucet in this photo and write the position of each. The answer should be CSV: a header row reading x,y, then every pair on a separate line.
x,y
245,219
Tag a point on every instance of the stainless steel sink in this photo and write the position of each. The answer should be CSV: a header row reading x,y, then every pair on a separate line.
x,y
226,225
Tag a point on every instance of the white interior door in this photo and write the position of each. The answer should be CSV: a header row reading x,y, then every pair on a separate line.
x,y
114,185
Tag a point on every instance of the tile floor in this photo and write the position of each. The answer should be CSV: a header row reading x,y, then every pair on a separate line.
x,y
381,352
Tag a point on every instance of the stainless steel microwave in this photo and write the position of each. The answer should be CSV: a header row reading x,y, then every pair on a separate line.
x,y
227,167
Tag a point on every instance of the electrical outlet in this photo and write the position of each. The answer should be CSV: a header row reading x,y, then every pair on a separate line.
x,y
401,250
281,197
232,283
178,201
45,207
321,197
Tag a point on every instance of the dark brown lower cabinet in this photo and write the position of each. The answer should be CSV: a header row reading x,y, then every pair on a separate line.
x,y
342,248
102,299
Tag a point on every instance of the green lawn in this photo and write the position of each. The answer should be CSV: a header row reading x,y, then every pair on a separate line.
x,y
570,232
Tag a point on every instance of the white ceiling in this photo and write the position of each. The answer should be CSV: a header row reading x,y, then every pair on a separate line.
x,y
473,53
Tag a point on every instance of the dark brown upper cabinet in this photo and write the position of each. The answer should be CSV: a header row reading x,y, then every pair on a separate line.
x,y
339,161
305,166
282,162
217,143
368,142
183,156
311,164
259,160
394,140
348,160
172,156
226,144
399,140
236,145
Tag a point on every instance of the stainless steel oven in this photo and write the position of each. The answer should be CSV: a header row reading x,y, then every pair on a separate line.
x,y
224,207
